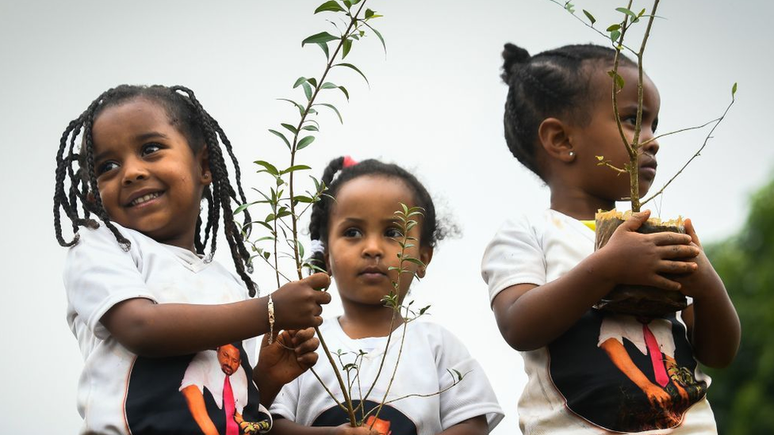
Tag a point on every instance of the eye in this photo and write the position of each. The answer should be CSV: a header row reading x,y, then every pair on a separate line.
x,y
629,119
352,233
655,125
106,166
150,148
394,233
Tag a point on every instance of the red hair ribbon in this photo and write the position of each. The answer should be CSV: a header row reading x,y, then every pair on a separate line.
x,y
349,161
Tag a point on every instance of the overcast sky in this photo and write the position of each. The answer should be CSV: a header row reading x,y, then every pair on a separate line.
x,y
434,105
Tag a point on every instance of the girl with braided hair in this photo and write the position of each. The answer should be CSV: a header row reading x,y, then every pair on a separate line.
x,y
166,333
356,235
591,372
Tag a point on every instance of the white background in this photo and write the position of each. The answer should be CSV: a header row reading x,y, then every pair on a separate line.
x,y
434,105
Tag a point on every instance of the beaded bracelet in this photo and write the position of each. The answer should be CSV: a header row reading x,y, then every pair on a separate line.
x,y
271,320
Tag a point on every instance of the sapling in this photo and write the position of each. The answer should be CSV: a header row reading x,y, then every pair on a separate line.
x,y
286,206
641,300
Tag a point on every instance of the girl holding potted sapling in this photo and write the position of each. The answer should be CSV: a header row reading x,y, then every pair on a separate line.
x,y
589,369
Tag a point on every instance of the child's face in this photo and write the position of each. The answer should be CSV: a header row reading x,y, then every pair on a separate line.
x,y
601,136
363,240
148,177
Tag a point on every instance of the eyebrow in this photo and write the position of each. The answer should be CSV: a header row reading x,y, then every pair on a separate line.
x,y
139,138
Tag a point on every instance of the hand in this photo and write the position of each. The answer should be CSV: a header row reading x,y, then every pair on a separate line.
x,y
658,398
645,259
704,270
298,304
289,355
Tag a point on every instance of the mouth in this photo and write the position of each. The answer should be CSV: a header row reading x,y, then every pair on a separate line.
x,y
648,167
143,198
372,272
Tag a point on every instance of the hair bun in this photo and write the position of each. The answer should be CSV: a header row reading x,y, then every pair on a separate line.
x,y
513,55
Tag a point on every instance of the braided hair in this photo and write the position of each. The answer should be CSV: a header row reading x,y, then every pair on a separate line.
x,y
336,174
554,83
77,196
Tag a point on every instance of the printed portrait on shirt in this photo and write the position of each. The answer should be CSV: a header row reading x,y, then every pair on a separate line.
x,y
201,393
626,374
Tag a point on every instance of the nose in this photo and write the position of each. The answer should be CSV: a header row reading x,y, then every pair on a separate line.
x,y
372,247
133,170
650,143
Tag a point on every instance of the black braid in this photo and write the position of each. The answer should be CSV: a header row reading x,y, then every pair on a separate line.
x,y
76,181
554,83
431,232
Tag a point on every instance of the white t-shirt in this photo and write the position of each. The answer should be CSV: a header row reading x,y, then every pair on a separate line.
x,y
429,353
573,387
119,392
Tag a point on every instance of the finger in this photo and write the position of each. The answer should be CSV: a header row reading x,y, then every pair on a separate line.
x,y
671,252
322,298
676,267
636,220
691,231
669,238
663,283
318,281
308,359
308,346
302,335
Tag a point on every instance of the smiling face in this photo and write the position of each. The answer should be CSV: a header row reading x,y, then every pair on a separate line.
x,y
601,137
363,240
148,177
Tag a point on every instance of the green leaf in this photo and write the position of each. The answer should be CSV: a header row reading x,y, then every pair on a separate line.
x,y
614,35
344,90
324,47
304,142
347,47
313,81
290,128
331,106
298,82
300,107
613,27
295,168
307,90
328,85
268,167
300,249
381,38
329,6
369,13
353,67
310,128
281,136
243,207
733,90
318,38
303,198
619,81
627,12
590,17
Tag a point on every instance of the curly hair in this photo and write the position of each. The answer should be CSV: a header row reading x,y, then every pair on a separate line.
x,y
76,193
554,83
337,175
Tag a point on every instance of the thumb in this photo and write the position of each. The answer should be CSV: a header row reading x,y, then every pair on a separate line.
x,y
691,231
636,220
318,281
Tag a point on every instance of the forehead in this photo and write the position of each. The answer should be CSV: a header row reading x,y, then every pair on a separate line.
x,y
602,84
131,117
372,193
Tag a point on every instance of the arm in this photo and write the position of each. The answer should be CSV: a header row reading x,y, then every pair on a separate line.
x,y
618,355
472,426
286,358
713,324
157,330
198,410
529,319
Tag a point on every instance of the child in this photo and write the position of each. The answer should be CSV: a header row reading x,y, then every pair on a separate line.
x,y
544,275
166,333
359,236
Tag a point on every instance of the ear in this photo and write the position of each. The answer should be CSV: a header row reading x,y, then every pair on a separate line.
x,y
554,135
425,255
203,160
327,259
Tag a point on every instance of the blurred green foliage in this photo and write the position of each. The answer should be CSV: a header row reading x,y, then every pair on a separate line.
x,y
742,395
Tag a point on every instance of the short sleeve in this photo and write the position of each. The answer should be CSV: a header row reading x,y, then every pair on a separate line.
x,y
473,395
98,274
195,373
286,402
514,256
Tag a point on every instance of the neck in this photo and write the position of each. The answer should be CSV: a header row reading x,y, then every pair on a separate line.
x,y
575,204
361,321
